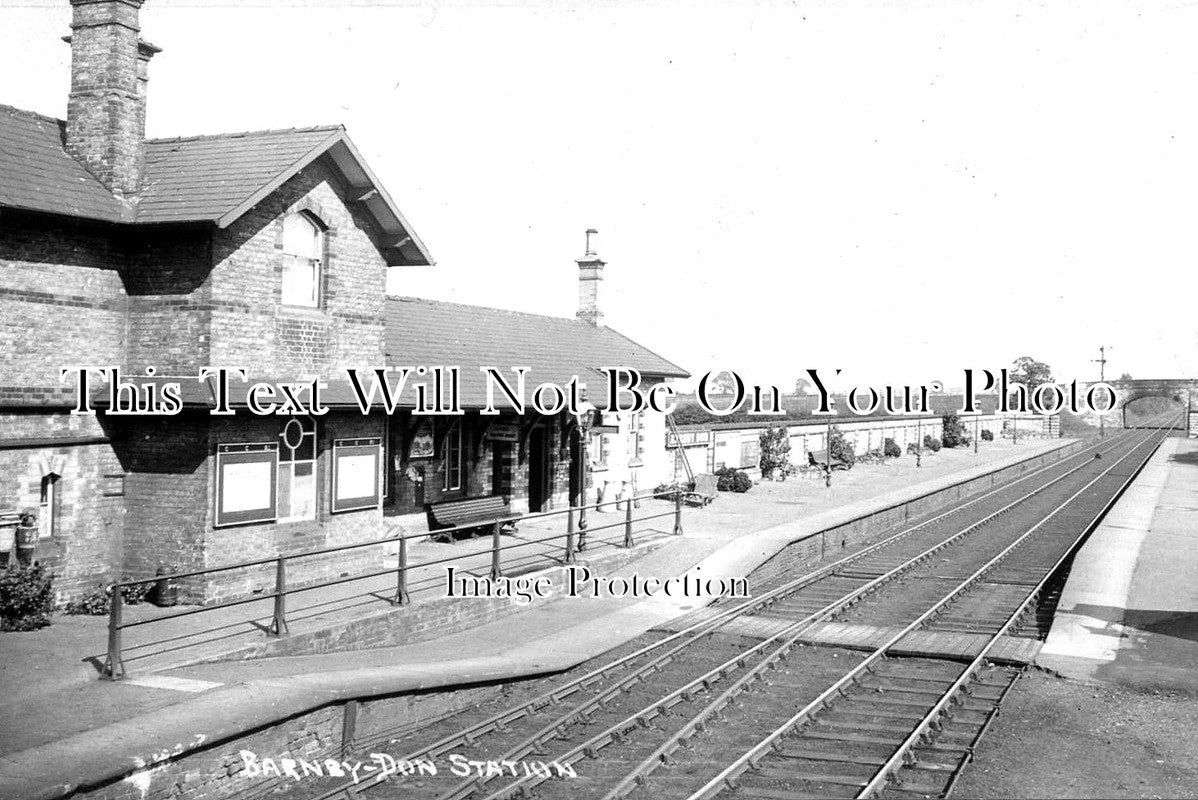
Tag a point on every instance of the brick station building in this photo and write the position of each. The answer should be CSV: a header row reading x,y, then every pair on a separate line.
x,y
266,251
532,458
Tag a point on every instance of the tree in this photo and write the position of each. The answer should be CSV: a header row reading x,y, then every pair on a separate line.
x,y
955,434
802,386
841,448
1126,377
1028,370
775,451
721,383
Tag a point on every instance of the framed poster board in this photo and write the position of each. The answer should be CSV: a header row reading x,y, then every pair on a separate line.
x,y
422,442
246,476
357,474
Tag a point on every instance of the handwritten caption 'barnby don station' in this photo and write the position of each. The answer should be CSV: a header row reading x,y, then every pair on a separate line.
x,y
381,767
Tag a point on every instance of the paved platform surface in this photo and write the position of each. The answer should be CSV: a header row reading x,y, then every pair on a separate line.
x,y
1129,611
85,730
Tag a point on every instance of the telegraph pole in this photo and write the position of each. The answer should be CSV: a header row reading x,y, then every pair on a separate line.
x,y
828,458
1101,361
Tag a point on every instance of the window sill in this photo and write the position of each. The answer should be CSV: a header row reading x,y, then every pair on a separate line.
x,y
297,526
303,312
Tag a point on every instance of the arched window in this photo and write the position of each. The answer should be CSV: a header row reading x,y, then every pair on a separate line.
x,y
48,511
297,469
303,251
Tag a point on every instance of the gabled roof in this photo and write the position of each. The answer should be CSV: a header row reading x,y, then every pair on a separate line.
x,y
199,179
436,333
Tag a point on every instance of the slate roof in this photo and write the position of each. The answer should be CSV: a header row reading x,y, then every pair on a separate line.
x,y
205,177
36,173
199,179
436,333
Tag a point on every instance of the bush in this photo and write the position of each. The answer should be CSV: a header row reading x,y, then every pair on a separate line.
x,y
26,597
841,448
931,443
137,592
891,449
775,451
987,435
95,603
875,456
954,431
731,479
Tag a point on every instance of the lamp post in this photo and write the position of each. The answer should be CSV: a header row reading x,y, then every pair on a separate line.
x,y
919,441
586,414
828,458
976,418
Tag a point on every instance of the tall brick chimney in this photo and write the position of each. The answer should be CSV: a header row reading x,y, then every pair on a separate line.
x,y
106,112
590,272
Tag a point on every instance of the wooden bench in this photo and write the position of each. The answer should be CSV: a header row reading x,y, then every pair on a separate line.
x,y
819,458
478,513
706,488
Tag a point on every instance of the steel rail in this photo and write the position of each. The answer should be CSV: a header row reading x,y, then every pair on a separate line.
x,y
696,631
885,772
788,635
726,778
659,756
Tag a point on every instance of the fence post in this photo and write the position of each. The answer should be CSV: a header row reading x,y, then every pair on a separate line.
x,y
496,573
349,727
114,665
678,513
279,625
401,574
570,536
628,522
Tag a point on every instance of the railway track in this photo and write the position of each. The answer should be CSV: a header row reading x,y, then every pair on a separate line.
x,y
613,719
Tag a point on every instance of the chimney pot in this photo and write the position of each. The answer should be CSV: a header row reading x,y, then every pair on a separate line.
x,y
106,110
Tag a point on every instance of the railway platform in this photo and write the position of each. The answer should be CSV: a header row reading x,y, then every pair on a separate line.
x,y
1129,611
155,718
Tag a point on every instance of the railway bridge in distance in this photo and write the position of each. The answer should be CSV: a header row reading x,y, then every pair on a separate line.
x,y
1139,399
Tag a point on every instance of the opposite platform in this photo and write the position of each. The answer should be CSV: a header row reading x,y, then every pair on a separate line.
x,y
1129,611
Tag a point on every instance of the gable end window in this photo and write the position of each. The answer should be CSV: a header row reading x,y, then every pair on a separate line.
x,y
303,258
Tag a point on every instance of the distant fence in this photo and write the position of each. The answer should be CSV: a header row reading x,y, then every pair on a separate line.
x,y
709,447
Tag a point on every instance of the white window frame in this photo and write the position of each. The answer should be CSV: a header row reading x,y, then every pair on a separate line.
x,y
48,506
288,463
306,259
452,445
634,429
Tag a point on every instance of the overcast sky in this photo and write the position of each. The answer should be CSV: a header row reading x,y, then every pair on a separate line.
x,y
900,190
